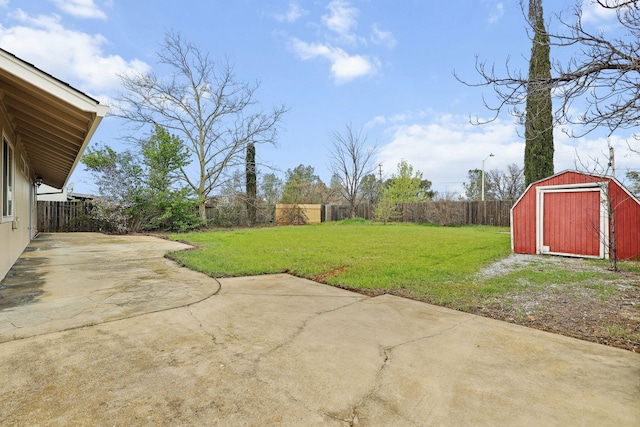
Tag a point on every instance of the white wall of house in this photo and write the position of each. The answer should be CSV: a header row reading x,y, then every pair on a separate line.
x,y
15,229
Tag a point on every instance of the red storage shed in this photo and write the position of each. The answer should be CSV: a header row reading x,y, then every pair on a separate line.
x,y
568,214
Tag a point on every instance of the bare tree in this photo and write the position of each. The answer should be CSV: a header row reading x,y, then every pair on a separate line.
x,y
270,191
611,202
506,185
351,161
472,188
615,4
633,182
203,103
602,73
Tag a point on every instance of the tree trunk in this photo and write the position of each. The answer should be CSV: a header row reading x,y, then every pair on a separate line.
x,y
251,184
202,210
613,246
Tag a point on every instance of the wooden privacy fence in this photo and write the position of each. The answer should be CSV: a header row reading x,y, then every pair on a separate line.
x,y
491,212
65,216
75,216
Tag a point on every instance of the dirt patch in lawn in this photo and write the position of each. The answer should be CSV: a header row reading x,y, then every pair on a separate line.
x,y
603,307
322,278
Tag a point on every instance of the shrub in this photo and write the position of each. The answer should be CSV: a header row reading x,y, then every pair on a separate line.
x,y
294,215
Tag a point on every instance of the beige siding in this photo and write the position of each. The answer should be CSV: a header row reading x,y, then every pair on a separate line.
x,y
49,124
16,234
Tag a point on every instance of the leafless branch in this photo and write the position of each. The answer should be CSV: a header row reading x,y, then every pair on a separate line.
x,y
203,103
351,161
603,73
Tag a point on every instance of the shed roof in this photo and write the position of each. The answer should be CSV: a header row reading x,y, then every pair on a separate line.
x,y
593,175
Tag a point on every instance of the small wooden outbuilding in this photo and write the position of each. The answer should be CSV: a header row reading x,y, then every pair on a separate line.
x,y
298,214
576,214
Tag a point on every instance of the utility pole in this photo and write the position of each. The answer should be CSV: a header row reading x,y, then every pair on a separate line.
x,y
612,162
380,171
490,155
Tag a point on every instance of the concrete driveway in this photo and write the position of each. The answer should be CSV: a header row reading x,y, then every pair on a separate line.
x,y
108,332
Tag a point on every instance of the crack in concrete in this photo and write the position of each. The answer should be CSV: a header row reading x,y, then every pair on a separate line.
x,y
132,316
201,326
387,353
301,329
13,324
313,411
393,347
353,418
256,361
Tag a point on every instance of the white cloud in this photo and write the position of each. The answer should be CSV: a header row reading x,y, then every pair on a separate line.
x,y
497,13
294,13
341,18
593,13
337,36
382,37
80,8
591,154
344,67
72,56
4,3
446,147
397,119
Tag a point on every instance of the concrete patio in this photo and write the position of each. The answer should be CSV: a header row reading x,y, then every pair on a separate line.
x,y
102,330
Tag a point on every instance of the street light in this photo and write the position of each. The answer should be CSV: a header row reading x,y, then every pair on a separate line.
x,y
490,155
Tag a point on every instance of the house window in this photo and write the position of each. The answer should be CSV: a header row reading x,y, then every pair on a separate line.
x,y
7,180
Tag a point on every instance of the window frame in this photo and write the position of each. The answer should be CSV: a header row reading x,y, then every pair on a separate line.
x,y
8,176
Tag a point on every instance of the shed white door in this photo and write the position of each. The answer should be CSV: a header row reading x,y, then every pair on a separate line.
x,y
572,223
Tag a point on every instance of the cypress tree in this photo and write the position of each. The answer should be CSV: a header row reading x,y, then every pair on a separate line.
x,y
251,183
538,152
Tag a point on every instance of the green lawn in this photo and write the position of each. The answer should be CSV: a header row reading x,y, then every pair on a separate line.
x,y
428,262
438,265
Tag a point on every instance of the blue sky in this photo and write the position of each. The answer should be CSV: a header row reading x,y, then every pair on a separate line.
x,y
383,66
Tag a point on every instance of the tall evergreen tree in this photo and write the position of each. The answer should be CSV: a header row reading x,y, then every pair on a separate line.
x,y
251,183
596,69
538,152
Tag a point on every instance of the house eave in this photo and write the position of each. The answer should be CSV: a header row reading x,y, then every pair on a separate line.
x,y
51,121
